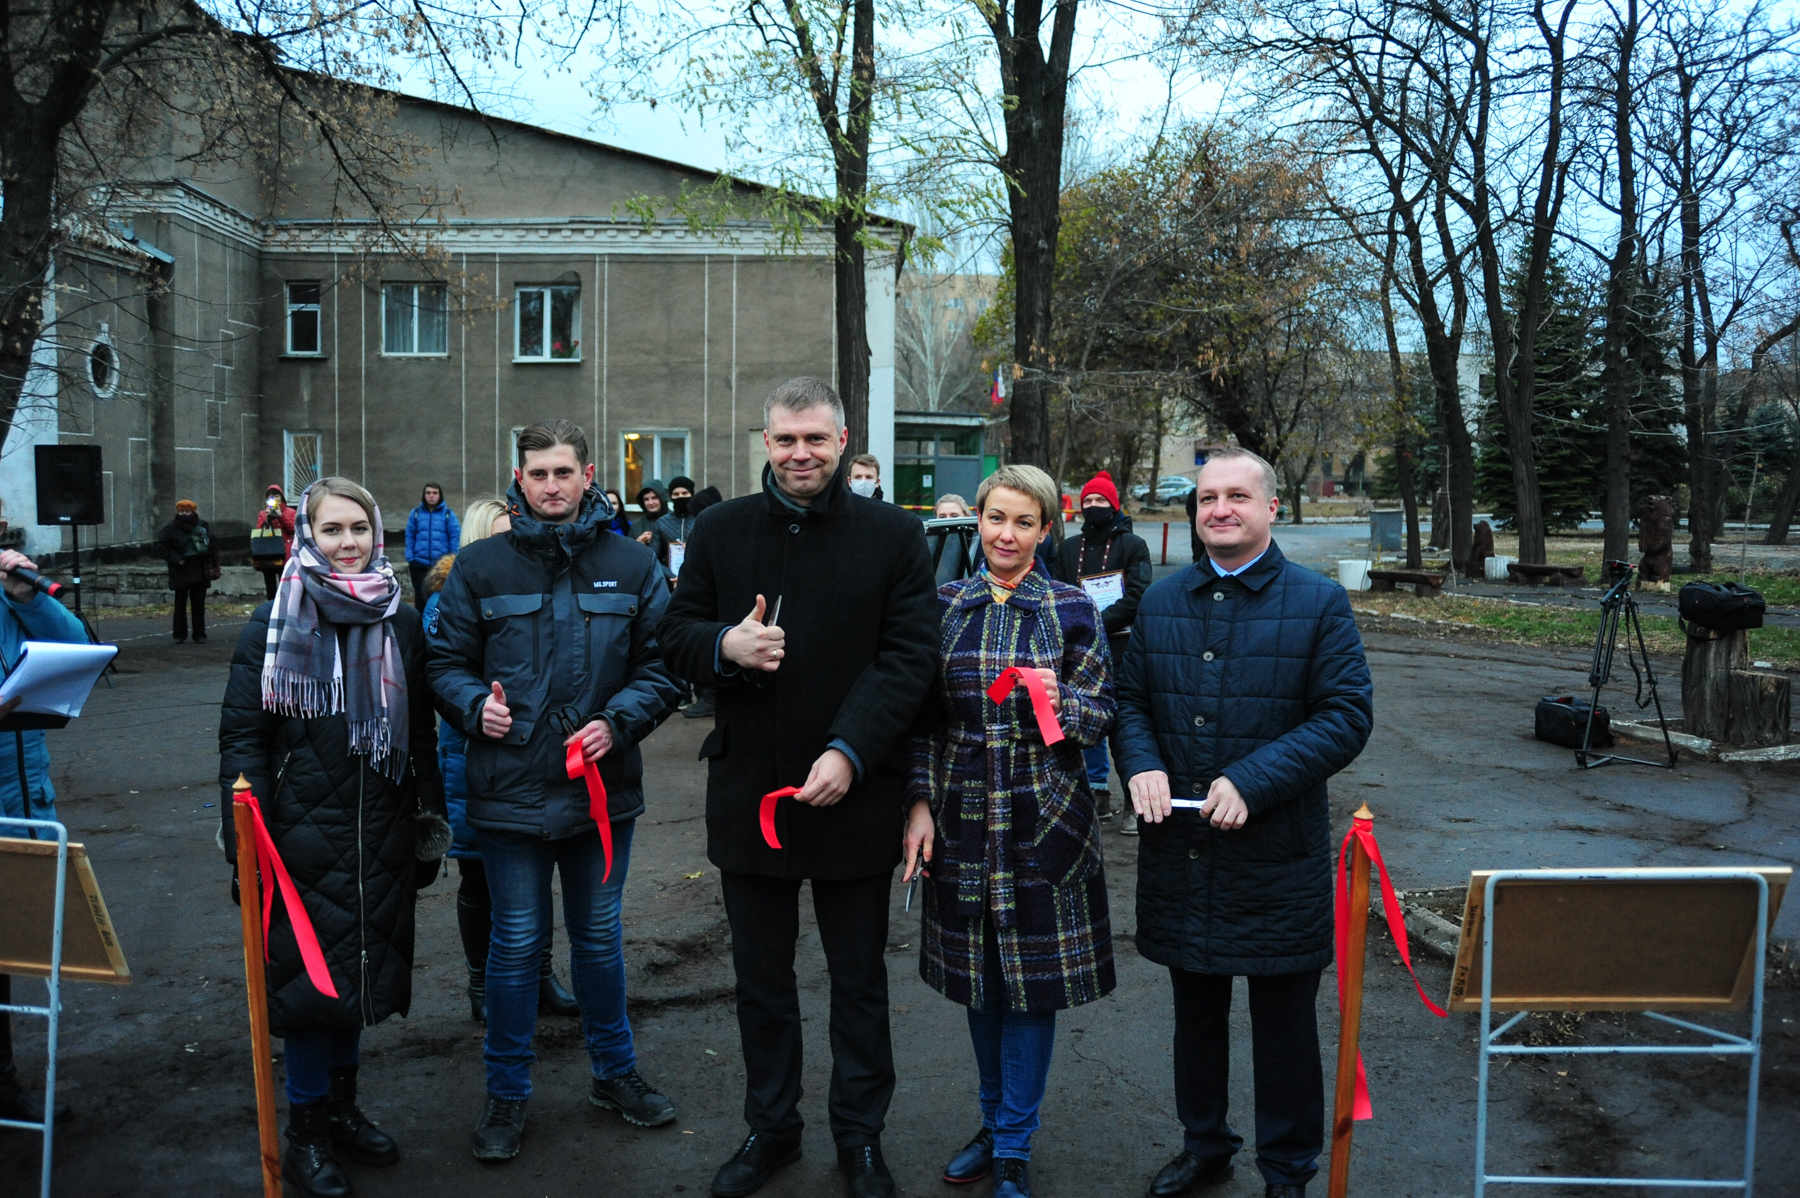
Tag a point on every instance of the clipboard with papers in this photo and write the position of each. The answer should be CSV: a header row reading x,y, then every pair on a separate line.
x,y
52,680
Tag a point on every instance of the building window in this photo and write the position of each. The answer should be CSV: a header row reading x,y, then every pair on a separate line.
x,y
549,317
303,319
301,461
650,453
415,319
215,418
103,365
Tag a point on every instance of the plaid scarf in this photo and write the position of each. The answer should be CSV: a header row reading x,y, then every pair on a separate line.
x,y
320,621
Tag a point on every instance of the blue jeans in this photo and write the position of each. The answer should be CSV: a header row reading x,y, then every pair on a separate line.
x,y
1098,768
1012,1055
518,873
311,1056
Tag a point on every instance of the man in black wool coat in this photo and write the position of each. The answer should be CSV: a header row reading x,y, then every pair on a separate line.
x,y
812,611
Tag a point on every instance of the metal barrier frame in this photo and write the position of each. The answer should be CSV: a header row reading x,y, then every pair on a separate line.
x,y
52,1011
1721,1043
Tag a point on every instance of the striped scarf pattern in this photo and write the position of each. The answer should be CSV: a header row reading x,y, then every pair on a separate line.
x,y
332,649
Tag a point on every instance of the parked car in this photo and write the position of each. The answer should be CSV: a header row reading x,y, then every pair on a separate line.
x,y
1173,488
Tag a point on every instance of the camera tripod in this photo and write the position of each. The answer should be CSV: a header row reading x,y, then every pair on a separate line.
x,y
1618,608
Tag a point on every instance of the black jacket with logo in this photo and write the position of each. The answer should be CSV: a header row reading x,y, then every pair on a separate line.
x,y
564,617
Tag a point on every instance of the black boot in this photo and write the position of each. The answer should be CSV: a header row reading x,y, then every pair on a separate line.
x,y
553,997
308,1165
473,921
352,1133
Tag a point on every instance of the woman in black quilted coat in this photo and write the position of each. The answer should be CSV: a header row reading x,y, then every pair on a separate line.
x,y
328,714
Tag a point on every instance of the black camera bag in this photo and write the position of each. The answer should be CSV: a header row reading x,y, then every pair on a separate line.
x,y
1562,720
1721,606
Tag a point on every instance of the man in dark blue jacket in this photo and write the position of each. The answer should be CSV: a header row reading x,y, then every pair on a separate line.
x,y
1243,688
546,641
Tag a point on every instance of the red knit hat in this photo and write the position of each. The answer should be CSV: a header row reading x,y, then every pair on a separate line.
x,y
1102,485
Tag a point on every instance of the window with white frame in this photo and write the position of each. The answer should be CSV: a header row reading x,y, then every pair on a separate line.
x,y
645,454
302,458
547,323
304,336
415,319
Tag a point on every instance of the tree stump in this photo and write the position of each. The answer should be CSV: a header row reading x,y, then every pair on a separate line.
x,y
1761,708
1706,680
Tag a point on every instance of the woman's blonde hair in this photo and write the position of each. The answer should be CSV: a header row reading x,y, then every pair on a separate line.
x,y
951,497
343,488
478,519
1026,480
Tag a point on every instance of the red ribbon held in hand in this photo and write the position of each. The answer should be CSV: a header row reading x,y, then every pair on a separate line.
x,y
1013,676
270,865
577,765
1363,832
767,814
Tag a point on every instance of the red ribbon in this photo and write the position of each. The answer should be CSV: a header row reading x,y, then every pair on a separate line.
x,y
1363,832
1013,676
270,865
577,765
767,814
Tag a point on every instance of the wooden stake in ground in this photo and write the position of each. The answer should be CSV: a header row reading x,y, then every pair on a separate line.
x,y
256,985
1350,968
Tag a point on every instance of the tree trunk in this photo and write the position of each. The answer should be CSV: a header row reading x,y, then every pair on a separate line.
x,y
1782,518
1457,533
1619,371
25,238
1706,681
852,326
1761,708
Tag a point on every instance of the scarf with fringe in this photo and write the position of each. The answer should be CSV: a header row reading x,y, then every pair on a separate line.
x,y
332,649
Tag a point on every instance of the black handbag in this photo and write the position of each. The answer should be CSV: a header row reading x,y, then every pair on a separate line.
x,y
1563,720
1721,606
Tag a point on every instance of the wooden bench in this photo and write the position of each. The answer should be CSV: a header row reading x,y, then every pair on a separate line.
x,y
1533,573
1425,583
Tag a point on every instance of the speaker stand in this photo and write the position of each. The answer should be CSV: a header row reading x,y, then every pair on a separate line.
x,y
75,582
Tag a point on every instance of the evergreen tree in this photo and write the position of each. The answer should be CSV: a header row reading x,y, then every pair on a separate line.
x,y
1658,460
1567,417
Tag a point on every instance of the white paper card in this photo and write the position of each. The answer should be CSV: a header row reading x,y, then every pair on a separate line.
x,y
54,678
677,555
1105,589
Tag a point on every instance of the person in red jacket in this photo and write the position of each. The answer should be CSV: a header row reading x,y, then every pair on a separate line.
x,y
277,515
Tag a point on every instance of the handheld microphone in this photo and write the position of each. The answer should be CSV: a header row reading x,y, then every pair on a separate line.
x,y
48,586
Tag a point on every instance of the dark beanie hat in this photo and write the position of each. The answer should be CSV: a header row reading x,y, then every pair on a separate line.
x,y
682,480
1102,485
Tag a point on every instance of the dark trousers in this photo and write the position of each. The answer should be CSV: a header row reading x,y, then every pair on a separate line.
x,y
418,573
271,576
1290,1081
187,597
853,921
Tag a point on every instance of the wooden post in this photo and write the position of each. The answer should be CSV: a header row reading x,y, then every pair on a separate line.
x,y
256,985
1350,1027
1761,708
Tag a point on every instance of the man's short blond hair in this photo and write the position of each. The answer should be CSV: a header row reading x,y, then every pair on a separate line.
x,y
1237,453
1026,480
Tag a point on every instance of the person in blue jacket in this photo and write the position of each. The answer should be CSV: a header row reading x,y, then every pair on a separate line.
x,y
1244,686
485,517
431,532
25,790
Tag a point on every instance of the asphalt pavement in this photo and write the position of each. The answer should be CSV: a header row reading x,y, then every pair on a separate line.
x,y
159,1079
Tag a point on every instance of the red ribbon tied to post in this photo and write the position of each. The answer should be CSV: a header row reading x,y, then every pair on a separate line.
x,y
767,814
1363,832
576,764
270,865
1013,676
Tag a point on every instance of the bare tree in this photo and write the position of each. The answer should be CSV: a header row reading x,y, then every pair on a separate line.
x,y
938,362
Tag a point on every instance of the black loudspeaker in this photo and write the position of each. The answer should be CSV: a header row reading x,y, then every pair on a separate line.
x,y
68,485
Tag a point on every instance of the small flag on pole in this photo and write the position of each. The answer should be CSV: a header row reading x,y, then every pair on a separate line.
x,y
998,395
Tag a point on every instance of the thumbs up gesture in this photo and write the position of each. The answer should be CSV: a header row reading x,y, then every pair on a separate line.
x,y
496,716
754,645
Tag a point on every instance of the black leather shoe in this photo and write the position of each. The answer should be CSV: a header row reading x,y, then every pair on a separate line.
x,y
633,1098
1187,1173
1011,1178
554,997
974,1162
1284,1190
865,1173
755,1161
353,1133
501,1129
307,1164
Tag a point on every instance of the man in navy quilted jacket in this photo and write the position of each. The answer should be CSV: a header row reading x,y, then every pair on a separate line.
x,y
1242,689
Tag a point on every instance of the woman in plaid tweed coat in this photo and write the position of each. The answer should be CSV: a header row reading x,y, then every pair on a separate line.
x,y
1015,920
